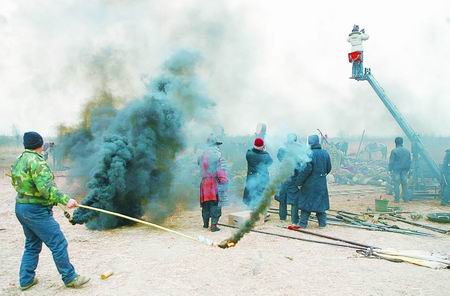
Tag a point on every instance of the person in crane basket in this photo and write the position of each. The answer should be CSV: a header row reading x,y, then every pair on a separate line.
x,y
356,38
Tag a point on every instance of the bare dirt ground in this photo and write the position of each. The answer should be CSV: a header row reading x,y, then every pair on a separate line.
x,y
146,261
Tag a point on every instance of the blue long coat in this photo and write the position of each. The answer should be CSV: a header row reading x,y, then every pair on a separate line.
x,y
313,193
258,162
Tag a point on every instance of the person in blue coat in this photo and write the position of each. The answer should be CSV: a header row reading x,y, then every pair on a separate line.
x,y
288,193
258,162
312,181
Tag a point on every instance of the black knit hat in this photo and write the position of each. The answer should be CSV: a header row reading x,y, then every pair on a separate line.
x,y
32,140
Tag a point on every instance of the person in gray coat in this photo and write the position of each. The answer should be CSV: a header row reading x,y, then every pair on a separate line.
x,y
399,166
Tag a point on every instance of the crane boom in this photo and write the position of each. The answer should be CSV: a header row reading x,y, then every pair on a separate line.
x,y
415,139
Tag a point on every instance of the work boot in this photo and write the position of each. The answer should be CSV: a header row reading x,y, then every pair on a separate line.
x,y
78,282
205,226
34,282
214,228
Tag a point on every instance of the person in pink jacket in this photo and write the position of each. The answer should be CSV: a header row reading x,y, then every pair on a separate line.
x,y
214,175
356,38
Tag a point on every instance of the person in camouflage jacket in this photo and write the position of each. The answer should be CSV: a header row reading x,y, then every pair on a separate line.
x,y
36,195
34,181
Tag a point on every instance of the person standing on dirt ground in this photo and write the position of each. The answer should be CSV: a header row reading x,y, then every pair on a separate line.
x,y
258,162
312,181
37,193
446,177
399,166
214,176
285,196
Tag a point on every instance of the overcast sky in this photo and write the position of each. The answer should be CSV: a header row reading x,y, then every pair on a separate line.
x,y
279,62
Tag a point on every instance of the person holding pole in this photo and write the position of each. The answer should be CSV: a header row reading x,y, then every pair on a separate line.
x,y
37,193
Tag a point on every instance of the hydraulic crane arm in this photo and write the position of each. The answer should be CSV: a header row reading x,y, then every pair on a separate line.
x,y
404,125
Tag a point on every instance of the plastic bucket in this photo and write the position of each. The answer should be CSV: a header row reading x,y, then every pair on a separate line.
x,y
381,205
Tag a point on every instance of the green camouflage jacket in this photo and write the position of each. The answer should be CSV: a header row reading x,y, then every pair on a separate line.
x,y
34,181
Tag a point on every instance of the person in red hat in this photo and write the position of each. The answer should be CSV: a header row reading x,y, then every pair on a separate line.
x,y
258,162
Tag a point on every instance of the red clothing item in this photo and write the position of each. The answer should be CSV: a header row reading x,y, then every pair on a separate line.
x,y
212,175
355,56
208,190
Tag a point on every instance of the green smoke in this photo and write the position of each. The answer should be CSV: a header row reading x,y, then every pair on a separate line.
x,y
295,160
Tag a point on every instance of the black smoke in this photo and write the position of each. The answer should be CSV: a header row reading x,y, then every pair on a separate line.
x,y
129,154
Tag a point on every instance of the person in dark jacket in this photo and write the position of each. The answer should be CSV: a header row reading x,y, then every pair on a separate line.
x,y
288,193
312,181
399,166
258,162
446,177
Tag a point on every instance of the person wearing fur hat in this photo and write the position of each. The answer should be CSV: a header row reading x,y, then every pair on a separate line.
x,y
258,162
37,193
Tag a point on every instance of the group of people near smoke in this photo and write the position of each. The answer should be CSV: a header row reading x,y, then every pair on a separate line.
x,y
305,189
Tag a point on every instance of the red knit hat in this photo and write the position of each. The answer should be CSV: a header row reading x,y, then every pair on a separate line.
x,y
259,143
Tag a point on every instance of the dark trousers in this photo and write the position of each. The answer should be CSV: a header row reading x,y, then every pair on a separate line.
x,y
400,178
304,217
39,227
357,70
283,209
294,213
211,210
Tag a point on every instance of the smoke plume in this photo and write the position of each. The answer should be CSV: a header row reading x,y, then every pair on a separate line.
x,y
297,158
130,152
